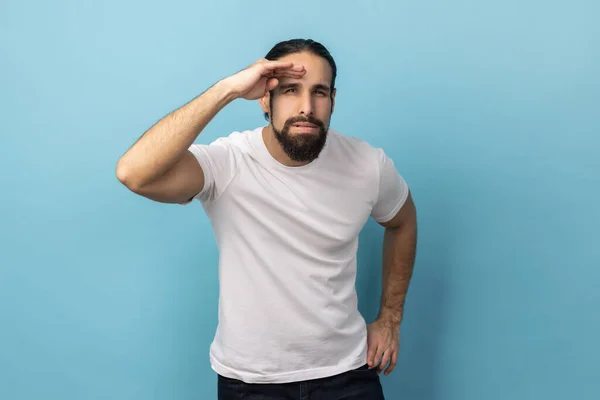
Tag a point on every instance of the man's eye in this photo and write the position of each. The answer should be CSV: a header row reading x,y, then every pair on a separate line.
x,y
290,90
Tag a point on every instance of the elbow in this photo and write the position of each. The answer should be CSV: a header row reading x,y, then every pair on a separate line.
x,y
127,178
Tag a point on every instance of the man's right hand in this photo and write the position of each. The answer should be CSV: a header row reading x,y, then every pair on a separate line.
x,y
255,81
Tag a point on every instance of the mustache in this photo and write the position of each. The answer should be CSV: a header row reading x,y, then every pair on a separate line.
x,y
308,119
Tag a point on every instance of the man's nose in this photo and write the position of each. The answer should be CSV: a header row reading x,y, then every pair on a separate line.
x,y
306,105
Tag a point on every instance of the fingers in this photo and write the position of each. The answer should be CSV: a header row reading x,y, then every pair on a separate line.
x,y
279,69
288,69
386,356
381,357
298,68
392,365
285,73
375,355
281,73
272,84
371,355
272,65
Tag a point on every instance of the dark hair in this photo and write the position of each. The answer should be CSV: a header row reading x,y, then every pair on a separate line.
x,y
292,46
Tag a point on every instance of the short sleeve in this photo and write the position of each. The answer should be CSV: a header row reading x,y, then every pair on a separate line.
x,y
392,191
218,162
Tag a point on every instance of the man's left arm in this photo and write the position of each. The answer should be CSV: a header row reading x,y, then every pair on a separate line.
x,y
399,248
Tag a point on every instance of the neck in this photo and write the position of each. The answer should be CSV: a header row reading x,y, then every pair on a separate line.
x,y
275,149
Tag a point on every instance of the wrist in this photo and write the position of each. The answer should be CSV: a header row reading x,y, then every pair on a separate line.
x,y
225,91
390,316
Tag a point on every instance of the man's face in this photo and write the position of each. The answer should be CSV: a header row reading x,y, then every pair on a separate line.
x,y
300,109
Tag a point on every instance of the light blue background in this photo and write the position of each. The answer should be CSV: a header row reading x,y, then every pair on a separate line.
x,y
491,111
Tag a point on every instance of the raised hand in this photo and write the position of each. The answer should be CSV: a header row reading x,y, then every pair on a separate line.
x,y
253,82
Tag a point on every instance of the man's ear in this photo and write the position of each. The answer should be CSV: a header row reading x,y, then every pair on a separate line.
x,y
265,103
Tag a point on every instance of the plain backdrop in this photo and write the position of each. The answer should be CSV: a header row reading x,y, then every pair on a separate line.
x,y
490,110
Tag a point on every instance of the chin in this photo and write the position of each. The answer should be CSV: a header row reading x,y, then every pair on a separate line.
x,y
293,133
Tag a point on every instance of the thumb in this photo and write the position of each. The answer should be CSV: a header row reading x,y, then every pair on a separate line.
x,y
371,353
272,84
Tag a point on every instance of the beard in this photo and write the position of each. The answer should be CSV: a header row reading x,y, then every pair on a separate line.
x,y
301,147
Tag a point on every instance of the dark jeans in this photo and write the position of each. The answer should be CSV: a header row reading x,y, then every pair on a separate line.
x,y
359,384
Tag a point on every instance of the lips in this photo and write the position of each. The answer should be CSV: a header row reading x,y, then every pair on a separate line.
x,y
305,125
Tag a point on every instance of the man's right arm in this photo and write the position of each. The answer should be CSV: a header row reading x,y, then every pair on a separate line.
x,y
160,166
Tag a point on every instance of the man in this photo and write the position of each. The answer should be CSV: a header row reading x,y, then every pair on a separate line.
x,y
287,202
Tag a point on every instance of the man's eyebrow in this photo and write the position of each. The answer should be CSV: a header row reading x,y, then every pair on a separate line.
x,y
322,87
295,85
288,85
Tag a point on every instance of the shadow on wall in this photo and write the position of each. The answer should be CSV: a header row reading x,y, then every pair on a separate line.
x,y
415,376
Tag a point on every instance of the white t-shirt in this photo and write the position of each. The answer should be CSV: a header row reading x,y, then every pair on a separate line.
x,y
287,239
